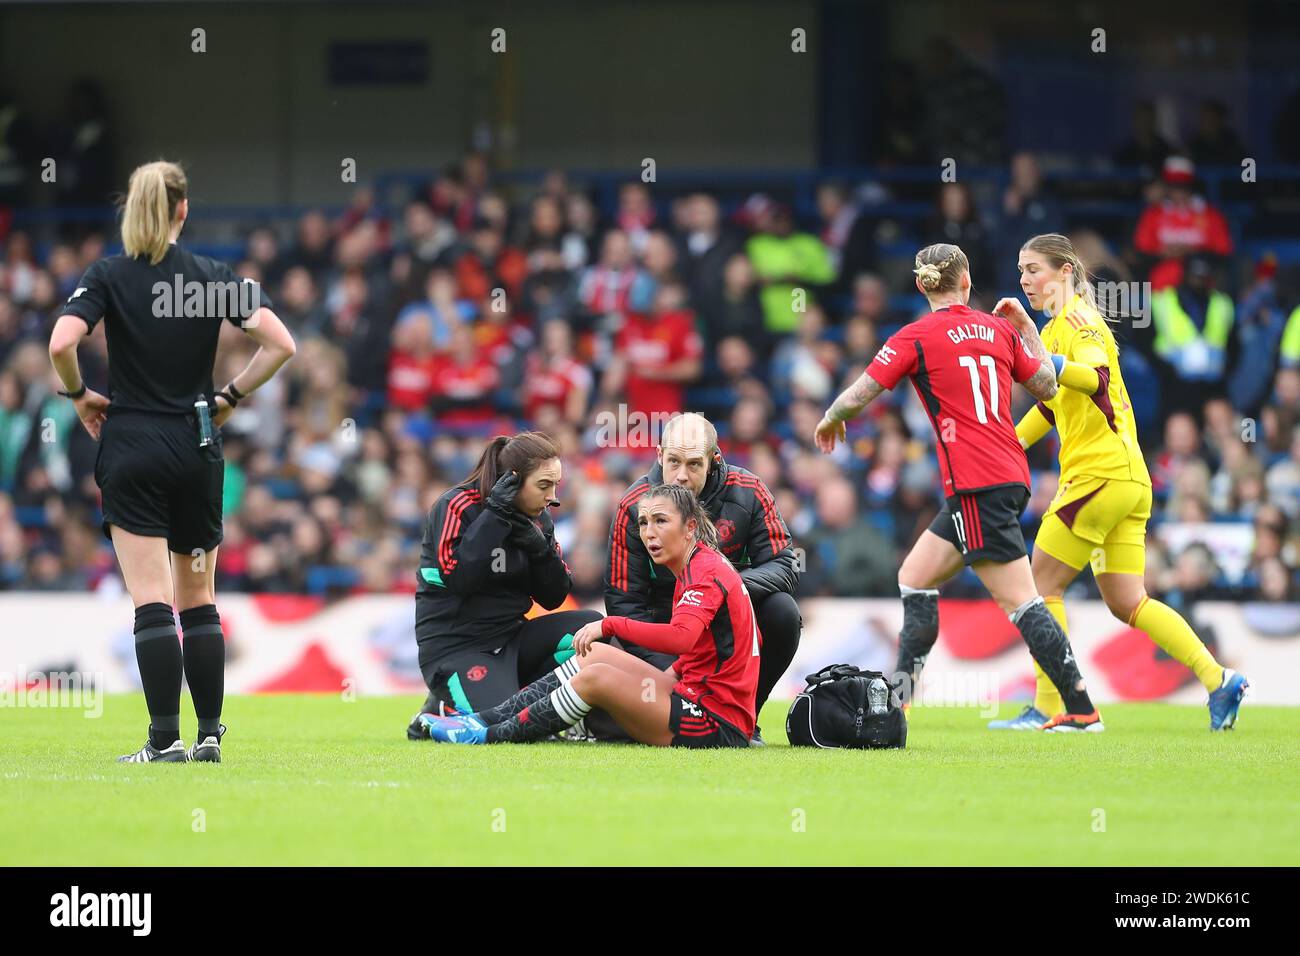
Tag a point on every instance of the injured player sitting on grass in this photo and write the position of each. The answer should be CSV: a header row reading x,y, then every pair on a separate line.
x,y
705,699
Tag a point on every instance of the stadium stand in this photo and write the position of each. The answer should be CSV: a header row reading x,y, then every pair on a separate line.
x,y
441,308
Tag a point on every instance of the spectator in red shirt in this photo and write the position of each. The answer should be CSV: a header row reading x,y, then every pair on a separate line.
x,y
505,341
1179,224
555,379
489,264
605,287
656,355
412,364
464,382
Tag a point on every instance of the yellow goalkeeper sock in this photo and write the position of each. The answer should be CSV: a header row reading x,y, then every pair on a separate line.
x,y
1176,638
1047,699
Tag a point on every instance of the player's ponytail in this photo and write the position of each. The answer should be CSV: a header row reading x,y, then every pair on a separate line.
x,y
154,192
688,506
522,453
939,268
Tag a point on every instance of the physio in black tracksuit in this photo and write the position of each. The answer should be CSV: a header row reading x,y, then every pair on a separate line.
x,y
489,552
751,533
159,465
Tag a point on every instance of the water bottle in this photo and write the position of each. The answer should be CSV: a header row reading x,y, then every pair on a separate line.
x,y
205,422
877,697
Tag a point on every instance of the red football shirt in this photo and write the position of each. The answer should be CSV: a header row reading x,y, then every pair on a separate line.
x,y
718,669
961,363
551,383
656,342
1196,226
466,390
411,380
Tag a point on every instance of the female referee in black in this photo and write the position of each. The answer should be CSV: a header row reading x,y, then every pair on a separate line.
x,y
159,466
489,552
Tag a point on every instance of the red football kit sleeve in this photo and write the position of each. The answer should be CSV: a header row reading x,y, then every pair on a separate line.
x,y
714,634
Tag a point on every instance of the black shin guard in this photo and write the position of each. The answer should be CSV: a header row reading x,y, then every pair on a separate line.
x,y
205,664
529,695
1051,649
559,709
158,654
916,639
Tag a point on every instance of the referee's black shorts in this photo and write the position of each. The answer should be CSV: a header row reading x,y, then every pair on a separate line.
x,y
157,482
985,525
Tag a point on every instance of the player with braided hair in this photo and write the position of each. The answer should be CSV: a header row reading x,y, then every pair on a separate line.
x,y
962,363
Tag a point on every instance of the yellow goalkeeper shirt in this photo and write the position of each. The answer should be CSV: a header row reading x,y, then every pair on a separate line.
x,y
1098,432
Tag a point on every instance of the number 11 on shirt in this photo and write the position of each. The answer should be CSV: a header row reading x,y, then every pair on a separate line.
x,y
968,362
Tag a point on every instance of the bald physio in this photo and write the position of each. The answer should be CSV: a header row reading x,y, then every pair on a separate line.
x,y
752,536
688,446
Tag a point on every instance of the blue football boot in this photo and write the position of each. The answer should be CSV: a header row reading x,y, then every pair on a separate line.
x,y
465,729
1031,718
1226,701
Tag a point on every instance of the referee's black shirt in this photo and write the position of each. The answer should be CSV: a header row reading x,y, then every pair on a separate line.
x,y
162,324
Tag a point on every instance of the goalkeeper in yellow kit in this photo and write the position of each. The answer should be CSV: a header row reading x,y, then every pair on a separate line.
x,y
1100,512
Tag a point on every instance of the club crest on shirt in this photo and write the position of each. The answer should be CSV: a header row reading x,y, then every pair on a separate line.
x,y
476,673
726,528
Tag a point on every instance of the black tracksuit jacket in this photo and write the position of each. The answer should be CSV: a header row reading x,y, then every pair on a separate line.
x,y
751,532
473,586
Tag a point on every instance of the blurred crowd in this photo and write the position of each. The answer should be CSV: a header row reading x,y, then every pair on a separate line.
x,y
475,308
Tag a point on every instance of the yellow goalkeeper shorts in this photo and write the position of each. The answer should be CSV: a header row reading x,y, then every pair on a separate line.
x,y
1098,521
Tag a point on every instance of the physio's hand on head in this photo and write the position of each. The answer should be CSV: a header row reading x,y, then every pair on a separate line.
x,y
502,497
587,635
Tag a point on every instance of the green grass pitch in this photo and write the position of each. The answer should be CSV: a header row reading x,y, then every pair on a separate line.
x,y
319,780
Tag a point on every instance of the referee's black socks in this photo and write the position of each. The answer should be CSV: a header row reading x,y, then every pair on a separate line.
x,y
158,652
205,665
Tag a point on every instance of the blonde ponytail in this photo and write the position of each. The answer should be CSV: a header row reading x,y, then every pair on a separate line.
x,y
148,212
939,267
930,276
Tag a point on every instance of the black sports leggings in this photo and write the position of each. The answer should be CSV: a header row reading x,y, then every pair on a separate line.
x,y
540,636
781,624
